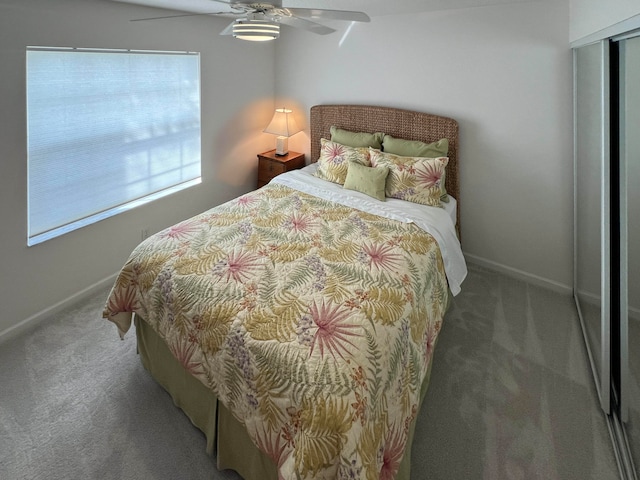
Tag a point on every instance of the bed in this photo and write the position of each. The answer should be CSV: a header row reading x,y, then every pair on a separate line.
x,y
295,325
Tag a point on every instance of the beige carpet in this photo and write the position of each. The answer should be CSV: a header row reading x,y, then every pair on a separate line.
x,y
510,398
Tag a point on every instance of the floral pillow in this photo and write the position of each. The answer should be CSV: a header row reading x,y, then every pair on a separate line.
x,y
414,148
414,179
333,163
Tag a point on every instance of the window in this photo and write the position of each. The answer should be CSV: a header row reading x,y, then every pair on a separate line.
x,y
107,130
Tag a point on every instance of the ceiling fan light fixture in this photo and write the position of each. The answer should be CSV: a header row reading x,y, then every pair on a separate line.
x,y
256,30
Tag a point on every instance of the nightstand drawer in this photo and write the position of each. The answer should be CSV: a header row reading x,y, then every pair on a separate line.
x,y
271,168
271,165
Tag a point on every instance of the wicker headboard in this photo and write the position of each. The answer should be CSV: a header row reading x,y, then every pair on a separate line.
x,y
395,122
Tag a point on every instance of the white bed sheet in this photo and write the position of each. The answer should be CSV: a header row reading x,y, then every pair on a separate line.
x,y
439,222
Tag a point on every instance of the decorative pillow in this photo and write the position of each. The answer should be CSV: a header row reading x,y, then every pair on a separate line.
x,y
414,179
368,180
334,160
415,148
356,139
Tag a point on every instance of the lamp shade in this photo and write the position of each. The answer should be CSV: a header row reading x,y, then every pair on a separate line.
x,y
283,125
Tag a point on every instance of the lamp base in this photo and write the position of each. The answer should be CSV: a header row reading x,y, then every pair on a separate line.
x,y
282,145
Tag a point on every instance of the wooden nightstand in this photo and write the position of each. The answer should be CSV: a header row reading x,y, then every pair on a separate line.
x,y
271,165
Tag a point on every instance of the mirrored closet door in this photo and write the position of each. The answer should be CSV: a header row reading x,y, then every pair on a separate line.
x,y
592,209
629,68
607,231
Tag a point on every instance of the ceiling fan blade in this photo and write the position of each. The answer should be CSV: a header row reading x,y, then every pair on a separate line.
x,y
322,14
306,25
228,29
222,14
271,3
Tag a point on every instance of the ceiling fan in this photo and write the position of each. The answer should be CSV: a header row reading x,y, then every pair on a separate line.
x,y
261,21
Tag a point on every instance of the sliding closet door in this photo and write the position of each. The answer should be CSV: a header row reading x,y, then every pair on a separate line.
x,y
630,241
591,229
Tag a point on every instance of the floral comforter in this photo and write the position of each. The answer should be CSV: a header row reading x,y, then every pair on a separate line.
x,y
313,322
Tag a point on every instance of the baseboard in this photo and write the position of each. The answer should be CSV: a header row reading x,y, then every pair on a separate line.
x,y
520,274
31,322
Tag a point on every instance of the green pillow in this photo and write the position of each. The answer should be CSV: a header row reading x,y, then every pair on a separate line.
x,y
368,180
356,139
415,148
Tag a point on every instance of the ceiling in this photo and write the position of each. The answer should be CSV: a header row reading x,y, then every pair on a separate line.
x,y
372,7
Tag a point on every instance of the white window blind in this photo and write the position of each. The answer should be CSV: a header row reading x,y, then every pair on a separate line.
x,y
107,131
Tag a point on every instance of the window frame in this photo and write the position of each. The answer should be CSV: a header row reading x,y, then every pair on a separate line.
x,y
132,202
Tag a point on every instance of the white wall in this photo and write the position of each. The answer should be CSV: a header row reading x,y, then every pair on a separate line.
x,y
237,101
504,72
591,16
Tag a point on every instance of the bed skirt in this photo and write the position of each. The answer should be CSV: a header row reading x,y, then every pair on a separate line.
x,y
226,437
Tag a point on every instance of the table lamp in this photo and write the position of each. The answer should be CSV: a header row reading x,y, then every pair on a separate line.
x,y
283,125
